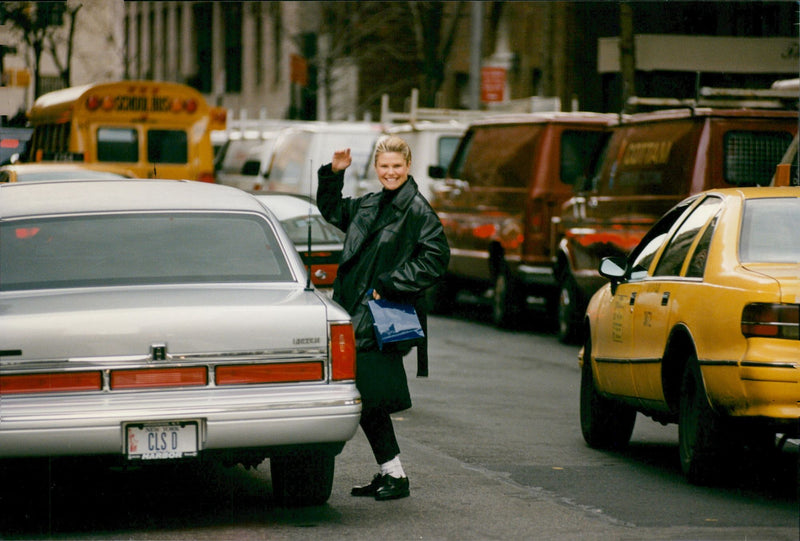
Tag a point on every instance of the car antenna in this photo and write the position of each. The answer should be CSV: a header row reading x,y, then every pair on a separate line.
x,y
308,253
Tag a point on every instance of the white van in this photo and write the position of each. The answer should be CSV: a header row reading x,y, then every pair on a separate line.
x,y
300,151
432,146
245,159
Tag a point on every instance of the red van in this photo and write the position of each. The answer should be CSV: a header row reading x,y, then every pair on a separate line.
x,y
508,178
654,160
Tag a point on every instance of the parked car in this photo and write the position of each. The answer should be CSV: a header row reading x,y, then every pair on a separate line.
x,y
151,320
26,172
505,183
305,226
699,326
653,161
13,143
300,151
432,147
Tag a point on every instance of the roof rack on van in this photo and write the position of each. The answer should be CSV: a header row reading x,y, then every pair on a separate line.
x,y
726,98
429,114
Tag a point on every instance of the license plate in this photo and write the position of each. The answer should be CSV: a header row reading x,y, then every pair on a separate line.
x,y
161,441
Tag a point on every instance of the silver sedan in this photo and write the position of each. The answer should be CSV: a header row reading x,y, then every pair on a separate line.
x,y
160,320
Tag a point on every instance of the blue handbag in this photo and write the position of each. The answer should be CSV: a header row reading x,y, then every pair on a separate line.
x,y
395,324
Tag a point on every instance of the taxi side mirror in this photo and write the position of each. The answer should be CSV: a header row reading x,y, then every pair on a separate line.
x,y
613,269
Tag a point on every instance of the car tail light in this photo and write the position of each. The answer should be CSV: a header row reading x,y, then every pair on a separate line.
x,y
50,383
771,320
343,352
159,377
206,176
268,373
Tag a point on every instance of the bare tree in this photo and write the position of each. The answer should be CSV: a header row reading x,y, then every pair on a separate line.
x,y
64,66
396,45
37,22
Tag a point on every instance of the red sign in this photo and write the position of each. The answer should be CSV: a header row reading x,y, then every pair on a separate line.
x,y
493,84
298,70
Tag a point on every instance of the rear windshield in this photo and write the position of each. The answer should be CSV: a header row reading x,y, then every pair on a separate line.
x,y
131,249
769,231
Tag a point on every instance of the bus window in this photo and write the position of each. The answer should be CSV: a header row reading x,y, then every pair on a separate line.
x,y
167,146
117,145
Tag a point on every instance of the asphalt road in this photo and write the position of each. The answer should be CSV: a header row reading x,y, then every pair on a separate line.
x,y
492,448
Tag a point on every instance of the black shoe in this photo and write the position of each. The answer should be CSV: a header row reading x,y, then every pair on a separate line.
x,y
370,489
392,488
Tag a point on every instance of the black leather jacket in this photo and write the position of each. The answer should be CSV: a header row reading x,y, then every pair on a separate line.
x,y
400,255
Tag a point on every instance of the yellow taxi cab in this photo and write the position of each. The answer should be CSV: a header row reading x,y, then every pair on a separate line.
x,y
24,172
700,325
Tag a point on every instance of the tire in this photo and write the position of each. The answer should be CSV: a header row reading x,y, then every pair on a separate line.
x,y
702,434
605,424
505,301
301,479
569,311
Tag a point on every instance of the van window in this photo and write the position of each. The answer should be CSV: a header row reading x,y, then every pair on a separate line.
x,y
167,146
289,161
498,156
579,153
751,156
447,147
117,145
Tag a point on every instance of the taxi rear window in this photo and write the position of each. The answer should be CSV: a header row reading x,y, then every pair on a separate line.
x,y
769,231
139,249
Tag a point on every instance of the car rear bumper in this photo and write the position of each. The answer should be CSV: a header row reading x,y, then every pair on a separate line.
x,y
230,418
769,390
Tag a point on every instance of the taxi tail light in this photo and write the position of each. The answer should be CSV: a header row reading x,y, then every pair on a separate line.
x,y
771,321
268,373
50,383
343,352
159,377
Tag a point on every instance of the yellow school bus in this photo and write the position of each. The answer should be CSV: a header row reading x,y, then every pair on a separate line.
x,y
154,129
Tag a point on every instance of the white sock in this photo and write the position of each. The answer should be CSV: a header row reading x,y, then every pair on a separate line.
x,y
393,468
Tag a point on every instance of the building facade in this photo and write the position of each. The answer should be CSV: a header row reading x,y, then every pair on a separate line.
x,y
286,60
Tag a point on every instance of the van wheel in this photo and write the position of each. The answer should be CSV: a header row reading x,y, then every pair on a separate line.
x,y
568,311
702,434
605,424
505,304
302,478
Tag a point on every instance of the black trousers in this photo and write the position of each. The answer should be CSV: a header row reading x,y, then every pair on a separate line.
x,y
377,425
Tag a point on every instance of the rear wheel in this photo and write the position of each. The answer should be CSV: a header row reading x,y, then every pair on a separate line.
x,y
701,432
303,478
568,311
605,424
505,301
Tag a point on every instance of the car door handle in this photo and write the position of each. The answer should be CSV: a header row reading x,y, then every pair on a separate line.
x,y
665,298
633,298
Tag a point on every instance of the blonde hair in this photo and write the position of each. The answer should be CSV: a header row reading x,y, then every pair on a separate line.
x,y
392,143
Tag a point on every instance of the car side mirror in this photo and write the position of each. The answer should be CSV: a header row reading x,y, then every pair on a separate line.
x,y
436,171
613,269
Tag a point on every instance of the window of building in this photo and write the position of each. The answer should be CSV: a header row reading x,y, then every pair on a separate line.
x,y
233,47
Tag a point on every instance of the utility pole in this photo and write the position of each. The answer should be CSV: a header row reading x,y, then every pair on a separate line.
x,y
475,54
627,52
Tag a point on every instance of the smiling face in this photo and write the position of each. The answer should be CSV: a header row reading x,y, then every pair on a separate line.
x,y
392,169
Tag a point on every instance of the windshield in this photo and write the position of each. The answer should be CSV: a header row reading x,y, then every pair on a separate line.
x,y
131,249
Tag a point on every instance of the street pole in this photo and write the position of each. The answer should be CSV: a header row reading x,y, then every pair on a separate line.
x,y
475,56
